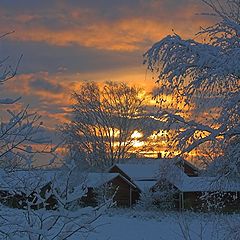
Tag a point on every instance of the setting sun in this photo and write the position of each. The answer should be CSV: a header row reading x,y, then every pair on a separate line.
x,y
136,135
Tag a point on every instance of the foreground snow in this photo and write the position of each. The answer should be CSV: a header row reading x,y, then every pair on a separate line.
x,y
120,224
132,225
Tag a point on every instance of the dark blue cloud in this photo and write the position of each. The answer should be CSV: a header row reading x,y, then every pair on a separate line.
x,y
58,15
25,5
43,84
43,57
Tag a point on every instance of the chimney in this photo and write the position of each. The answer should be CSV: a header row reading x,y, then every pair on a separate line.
x,y
159,155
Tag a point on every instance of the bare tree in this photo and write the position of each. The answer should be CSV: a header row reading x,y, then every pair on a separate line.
x,y
103,122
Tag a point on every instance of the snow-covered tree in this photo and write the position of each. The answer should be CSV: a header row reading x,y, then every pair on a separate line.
x,y
199,82
42,211
163,196
21,138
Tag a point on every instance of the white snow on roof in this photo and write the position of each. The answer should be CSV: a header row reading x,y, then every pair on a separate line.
x,y
25,180
140,171
146,176
207,184
194,184
98,179
151,171
144,161
145,186
94,180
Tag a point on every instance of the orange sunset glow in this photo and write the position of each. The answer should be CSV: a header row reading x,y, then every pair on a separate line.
x,y
120,114
66,43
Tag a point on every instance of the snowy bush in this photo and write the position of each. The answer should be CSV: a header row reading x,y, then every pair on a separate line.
x,y
146,201
104,193
163,196
219,201
61,221
41,224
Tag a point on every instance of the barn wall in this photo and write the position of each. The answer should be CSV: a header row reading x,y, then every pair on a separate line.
x,y
122,196
192,200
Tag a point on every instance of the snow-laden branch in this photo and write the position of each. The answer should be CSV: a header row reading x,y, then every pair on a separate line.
x,y
174,59
21,135
9,100
205,76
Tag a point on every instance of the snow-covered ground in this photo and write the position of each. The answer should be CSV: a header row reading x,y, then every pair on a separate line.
x,y
132,225
120,224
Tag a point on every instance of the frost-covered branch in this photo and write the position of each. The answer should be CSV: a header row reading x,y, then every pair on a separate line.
x,y
204,76
21,135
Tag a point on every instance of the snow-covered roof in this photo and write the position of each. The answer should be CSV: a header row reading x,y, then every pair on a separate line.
x,y
145,176
151,170
194,184
31,179
145,185
98,179
157,160
94,180
139,171
25,180
207,184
